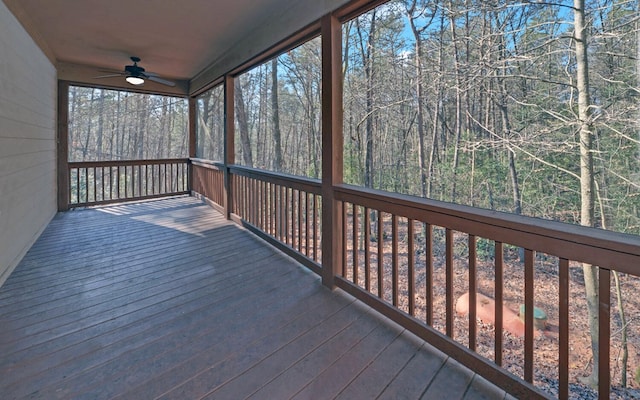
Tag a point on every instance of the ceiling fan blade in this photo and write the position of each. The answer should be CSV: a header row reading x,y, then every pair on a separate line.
x,y
106,76
160,80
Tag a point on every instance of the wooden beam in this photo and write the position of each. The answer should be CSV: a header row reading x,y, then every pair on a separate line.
x,y
192,139
192,126
229,141
63,146
332,143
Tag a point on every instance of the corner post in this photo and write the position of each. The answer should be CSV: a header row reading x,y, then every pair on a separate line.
x,y
192,140
229,142
63,146
332,148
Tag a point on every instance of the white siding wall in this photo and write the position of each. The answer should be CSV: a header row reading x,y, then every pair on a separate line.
x,y
28,98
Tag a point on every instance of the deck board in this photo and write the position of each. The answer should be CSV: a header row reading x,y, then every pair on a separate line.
x,y
167,299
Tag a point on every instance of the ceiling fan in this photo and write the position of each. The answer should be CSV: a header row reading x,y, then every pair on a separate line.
x,y
136,75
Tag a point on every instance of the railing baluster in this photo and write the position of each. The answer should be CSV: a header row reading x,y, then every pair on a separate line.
x,y
472,293
449,282
139,179
266,215
394,259
315,227
102,194
306,223
344,239
563,336
246,215
380,243
604,333
252,200
274,209
256,199
294,218
173,187
499,277
95,185
355,242
299,247
70,185
146,179
529,275
78,185
170,177
267,207
282,213
411,268
428,254
367,249
259,204
241,197
86,185
287,201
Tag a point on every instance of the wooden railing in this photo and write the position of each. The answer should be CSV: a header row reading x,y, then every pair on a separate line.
x,y
103,182
412,259
392,242
207,179
283,209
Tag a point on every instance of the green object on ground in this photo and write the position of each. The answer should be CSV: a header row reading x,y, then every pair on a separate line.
x,y
539,316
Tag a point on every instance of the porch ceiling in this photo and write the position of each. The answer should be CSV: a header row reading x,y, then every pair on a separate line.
x,y
178,40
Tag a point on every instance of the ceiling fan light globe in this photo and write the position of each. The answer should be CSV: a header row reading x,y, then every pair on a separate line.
x,y
135,80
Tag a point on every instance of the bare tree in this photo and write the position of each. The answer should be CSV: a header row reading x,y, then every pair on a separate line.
x,y
243,125
586,172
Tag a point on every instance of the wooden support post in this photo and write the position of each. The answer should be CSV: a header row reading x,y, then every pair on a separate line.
x,y
63,146
192,140
332,157
229,142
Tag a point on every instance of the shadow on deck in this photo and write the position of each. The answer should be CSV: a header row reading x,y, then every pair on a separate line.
x,y
167,299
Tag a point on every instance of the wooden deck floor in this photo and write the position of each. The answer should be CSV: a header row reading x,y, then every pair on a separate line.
x,y
166,299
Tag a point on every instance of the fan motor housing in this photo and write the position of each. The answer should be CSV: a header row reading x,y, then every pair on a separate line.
x,y
134,69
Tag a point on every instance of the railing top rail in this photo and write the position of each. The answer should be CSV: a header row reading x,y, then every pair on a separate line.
x,y
115,163
309,185
207,163
608,249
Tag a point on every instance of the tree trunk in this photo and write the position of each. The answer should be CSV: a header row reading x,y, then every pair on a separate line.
x,y
458,117
100,134
586,175
436,111
369,76
419,100
85,148
275,116
72,139
243,125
